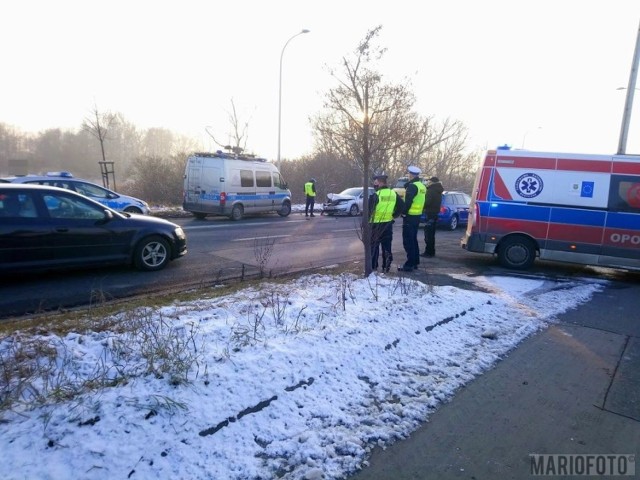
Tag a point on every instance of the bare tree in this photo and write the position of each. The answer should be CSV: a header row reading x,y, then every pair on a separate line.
x,y
366,119
239,132
98,125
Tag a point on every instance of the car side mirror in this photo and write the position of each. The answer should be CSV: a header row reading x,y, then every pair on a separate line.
x,y
108,216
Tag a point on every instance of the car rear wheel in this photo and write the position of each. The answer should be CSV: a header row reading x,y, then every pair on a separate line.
x,y
354,210
152,253
237,212
453,223
517,252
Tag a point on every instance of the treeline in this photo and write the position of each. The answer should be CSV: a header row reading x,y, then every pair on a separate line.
x,y
149,164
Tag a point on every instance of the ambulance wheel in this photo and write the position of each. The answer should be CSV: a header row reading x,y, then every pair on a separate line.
x,y
517,252
237,212
354,210
285,210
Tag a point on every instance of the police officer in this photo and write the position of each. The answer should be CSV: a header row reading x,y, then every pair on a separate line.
x,y
414,203
384,206
310,193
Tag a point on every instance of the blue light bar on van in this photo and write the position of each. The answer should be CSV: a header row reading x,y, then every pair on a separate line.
x,y
60,174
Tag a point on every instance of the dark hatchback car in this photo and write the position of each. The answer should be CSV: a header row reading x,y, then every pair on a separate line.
x,y
43,228
454,210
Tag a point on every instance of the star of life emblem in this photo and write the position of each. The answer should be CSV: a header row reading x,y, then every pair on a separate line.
x,y
529,185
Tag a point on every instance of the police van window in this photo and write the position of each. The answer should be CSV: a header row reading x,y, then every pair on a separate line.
x,y
263,179
277,180
246,178
624,194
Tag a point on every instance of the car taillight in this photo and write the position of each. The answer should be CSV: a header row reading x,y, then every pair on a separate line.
x,y
223,199
443,209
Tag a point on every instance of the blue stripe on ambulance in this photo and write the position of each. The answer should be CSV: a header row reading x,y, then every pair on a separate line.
x,y
543,213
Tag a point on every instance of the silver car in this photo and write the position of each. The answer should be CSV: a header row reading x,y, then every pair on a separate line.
x,y
347,202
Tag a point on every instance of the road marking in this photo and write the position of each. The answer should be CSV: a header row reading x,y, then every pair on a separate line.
x,y
259,238
226,225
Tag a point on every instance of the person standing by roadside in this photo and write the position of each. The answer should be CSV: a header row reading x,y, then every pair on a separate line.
x,y
384,206
432,202
413,205
310,194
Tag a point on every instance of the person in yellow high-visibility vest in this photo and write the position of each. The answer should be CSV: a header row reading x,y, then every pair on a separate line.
x,y
413,205
384,205
310,194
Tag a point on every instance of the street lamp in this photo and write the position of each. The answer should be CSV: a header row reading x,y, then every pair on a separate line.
x,y
628,104
524,137
280,90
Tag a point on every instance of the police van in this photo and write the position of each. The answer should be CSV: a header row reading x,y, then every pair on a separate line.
x,y
233,185
565,207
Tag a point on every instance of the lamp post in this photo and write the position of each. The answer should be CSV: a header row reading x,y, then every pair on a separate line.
x,y
628,104
524,137
280,90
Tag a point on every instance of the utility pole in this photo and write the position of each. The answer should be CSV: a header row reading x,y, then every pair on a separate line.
x,y
628,104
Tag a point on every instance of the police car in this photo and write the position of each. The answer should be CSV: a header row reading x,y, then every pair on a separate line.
x,y
109,198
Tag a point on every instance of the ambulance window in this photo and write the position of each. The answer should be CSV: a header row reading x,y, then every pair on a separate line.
x,y
246,178
263,179
624,194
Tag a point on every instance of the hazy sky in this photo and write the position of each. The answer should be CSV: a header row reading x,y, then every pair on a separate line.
x,y
503,67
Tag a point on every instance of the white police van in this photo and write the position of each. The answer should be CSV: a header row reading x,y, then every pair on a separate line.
x,y
233,185
109,198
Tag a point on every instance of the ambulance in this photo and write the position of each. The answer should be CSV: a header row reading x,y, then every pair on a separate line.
x,y
233,185
565,207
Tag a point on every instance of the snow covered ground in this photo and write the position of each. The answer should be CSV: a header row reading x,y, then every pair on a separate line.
x,y
298,380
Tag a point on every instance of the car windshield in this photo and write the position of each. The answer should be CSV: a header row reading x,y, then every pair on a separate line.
x,y
401,182
352,192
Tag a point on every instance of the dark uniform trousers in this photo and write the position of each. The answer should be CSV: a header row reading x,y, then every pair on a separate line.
x,y
410,227
381,237
430,234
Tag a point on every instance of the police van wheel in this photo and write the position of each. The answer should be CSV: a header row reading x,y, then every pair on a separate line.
x,y
285,210
516,252
237,212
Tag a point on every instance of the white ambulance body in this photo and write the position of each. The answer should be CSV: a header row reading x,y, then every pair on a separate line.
x,y
231,185
558,206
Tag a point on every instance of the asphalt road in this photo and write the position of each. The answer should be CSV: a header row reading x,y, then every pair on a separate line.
x,y
221,249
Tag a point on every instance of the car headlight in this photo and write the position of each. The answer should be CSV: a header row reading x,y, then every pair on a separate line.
x,y
179,233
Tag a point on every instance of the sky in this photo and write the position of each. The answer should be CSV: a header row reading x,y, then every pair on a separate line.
x,y
535,74
305,377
